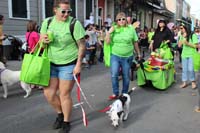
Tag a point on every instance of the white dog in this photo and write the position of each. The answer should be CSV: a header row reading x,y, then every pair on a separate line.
x,y
9,77
119,109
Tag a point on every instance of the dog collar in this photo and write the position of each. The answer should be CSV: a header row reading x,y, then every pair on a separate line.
x,y
1,70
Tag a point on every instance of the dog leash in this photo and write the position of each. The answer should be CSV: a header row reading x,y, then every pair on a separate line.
x,y
79,91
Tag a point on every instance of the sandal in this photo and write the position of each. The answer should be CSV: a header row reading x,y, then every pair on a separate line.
x,y
194,86
197,109
183,85
112,97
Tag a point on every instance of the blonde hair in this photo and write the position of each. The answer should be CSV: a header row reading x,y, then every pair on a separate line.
x,y
121,15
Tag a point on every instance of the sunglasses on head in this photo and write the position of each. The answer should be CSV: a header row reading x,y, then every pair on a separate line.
x,y
65,11
120,19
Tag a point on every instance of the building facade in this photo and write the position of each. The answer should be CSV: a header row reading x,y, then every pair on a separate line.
x,y
18,12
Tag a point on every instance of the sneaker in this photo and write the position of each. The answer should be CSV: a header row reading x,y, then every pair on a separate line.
x,y
194,86
65,127
59,121
112,97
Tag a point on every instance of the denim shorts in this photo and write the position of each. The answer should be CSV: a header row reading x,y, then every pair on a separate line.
x,y
62,72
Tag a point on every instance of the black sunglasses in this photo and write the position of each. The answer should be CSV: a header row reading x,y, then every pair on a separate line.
x,y
120,19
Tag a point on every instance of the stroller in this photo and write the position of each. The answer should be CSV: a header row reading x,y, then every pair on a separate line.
x,y
15,50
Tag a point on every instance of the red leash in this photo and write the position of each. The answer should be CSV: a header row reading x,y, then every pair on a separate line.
x,y
105,109
79,91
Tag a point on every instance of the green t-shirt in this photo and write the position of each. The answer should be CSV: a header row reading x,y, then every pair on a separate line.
x,y
187,50
150,35
122,40
62,49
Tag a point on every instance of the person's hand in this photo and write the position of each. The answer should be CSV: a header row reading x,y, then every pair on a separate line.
x,y
45,39
139,57
151,46
77,69
136,24
111,30
2,37
198,46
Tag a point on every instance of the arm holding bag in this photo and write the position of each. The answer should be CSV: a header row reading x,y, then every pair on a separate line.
x,y
36,69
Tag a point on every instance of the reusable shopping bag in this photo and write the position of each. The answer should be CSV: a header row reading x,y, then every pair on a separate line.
x,y
196,61
107,49
36,69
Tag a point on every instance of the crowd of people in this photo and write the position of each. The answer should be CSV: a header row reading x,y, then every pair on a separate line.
x,y
128,41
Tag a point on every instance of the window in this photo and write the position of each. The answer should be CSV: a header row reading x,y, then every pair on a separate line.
x,y
88,7
73,6
19,9
49,8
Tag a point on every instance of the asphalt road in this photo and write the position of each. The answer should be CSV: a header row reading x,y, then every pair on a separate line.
x,y
152,111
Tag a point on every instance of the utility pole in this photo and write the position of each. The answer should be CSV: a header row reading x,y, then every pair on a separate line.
x,y
152,2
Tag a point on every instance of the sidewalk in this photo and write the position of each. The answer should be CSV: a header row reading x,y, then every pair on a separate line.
x,y
14,65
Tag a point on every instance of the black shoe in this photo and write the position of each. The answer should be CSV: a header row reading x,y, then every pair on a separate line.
x,y
65,127
59,121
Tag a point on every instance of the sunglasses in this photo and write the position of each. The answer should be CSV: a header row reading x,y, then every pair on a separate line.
x,y
65,11
120,19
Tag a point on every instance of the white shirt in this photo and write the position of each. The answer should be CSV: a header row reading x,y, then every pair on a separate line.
x,y
109,21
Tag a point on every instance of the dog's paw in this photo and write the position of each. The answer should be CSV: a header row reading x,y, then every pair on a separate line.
x,y
4,96
125,118
28,93
26,96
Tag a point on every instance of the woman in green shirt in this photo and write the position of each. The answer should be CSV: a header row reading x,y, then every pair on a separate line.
x,y
123,38
189,43
65,54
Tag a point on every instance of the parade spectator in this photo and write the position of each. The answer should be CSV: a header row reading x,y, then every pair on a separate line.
x,y
189,43
162,33
92,32
2,37
66,59
151,34
102,36
88,50
109,22
86,22
32,36
129,20
143,42
124,40
91,18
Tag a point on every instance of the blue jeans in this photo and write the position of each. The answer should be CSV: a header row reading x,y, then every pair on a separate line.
x,y
124,63
188,69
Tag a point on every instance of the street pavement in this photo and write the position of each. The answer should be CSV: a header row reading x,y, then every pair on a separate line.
x,y
152,111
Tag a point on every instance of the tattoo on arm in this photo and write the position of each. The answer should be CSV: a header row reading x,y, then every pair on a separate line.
x,y
81,50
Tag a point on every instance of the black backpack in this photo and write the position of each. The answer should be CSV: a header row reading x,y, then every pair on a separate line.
x,y
71,28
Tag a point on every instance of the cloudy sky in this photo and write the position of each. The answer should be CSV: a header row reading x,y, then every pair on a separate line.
x,y
195,7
